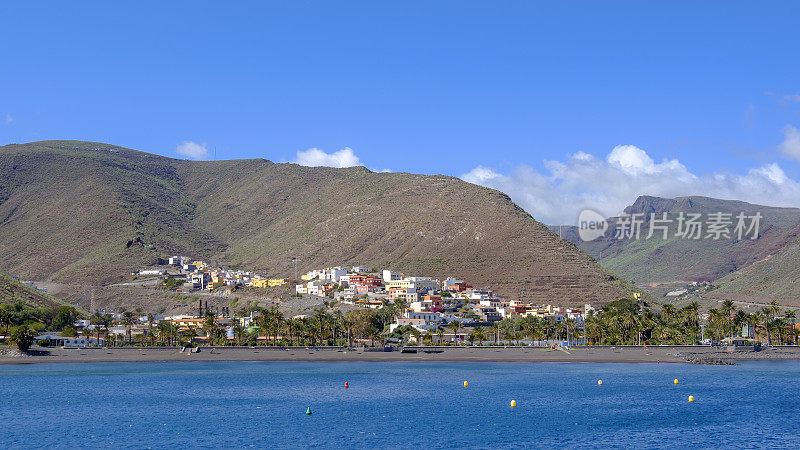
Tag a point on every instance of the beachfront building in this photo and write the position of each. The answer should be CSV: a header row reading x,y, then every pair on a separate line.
x,y
56,340
422,321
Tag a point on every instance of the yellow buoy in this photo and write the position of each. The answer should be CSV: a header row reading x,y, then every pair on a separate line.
x,y
676,381
513,403
599,382
691,399
466,384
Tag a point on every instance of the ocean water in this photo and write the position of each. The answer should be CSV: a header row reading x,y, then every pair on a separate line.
x,y
399,405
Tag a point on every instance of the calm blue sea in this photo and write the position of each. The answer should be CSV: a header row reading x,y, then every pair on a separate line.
x,y
399,405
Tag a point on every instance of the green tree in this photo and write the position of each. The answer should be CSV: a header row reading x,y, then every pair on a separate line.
x,y
65,317
5,317
727,311
790,316
453,326
209,326
128,321
478,334
23,336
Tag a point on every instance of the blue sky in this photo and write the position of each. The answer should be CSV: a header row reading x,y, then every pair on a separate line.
x,y
505,94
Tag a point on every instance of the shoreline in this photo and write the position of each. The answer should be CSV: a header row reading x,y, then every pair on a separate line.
x,y
677,354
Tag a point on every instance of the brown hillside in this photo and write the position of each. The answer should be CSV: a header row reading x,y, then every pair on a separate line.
x,y
72,210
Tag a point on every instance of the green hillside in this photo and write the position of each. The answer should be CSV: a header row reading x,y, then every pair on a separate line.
x,y
88,213
776,277
12,291
657,260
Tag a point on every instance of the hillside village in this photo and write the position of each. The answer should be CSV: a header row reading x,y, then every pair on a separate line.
x,y
424,303
415,304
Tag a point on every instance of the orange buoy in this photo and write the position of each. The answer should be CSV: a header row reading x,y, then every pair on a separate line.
x,y
346,385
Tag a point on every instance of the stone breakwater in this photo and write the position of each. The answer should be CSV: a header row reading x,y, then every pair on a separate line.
x,y
9,352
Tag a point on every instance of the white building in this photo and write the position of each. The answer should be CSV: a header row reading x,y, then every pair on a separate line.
x,y
494,302
422,321
389,276
152,272
450,282
423,284
335,274
178,261
480,294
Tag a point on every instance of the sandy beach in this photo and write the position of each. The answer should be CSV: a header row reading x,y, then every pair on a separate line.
x,y
673,354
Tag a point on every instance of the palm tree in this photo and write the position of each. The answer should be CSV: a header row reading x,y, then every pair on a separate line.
x,y
320,320
779,325
790,316
238,332
209,325
739,320
337,319
693,316
277,323
98,321
5,317
478,334
774,308
454,326
765,315
569,325
440,335
727,311
127,320
668,311
496,332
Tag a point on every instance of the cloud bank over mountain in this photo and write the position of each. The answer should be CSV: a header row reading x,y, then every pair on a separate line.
x,y
609,184
192,150
315,157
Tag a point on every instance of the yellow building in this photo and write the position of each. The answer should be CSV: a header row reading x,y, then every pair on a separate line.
x,y
259,283
272,282
217,282
399,285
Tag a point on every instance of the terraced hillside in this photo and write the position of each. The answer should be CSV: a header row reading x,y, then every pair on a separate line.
x,y
79,211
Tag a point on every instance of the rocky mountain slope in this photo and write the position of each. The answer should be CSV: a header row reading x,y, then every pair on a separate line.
x,y
764,268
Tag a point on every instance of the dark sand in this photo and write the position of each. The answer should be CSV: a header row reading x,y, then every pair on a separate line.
x,y
678,354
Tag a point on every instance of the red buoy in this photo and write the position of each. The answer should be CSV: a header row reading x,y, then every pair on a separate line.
x,y
346,385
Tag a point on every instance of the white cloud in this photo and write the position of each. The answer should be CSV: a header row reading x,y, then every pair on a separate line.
x,y
791,98
192,150
609,185
791,142
315,157
9,119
